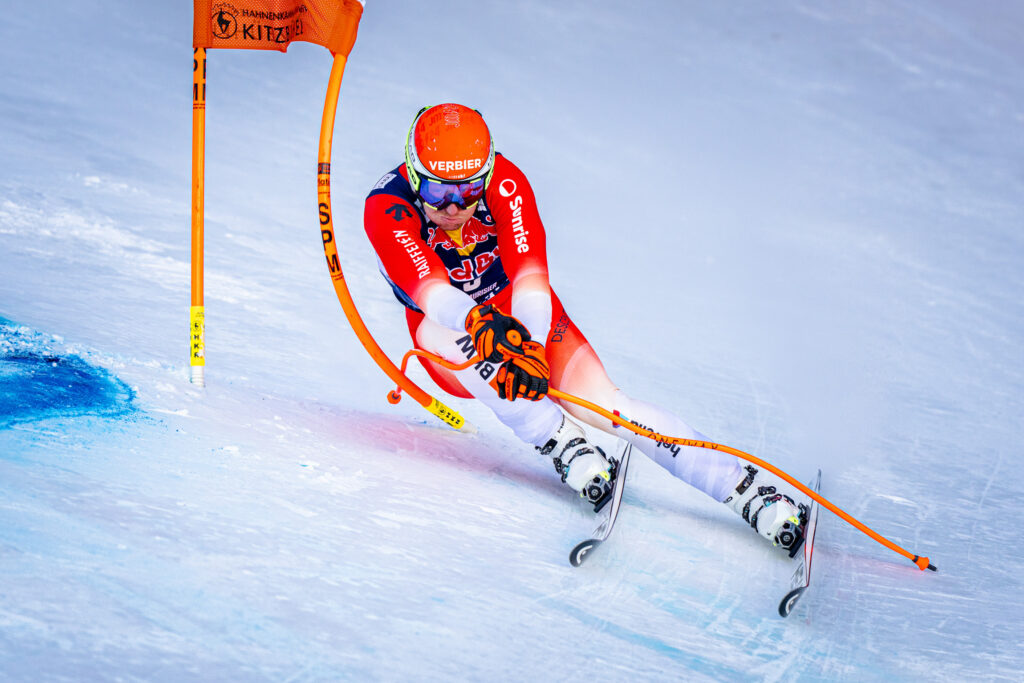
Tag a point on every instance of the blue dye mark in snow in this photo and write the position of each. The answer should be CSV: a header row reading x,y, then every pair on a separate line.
x,y
37,381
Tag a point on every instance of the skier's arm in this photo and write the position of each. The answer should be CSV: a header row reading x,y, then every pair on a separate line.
x,y
523,247
393,226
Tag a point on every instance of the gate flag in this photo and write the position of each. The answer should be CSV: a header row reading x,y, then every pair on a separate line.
x,y
248,25
274,24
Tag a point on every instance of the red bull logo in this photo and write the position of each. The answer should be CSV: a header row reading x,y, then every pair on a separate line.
x,y
474,232
436,237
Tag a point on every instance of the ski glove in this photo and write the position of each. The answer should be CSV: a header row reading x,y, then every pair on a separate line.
x,y
496,336
525,376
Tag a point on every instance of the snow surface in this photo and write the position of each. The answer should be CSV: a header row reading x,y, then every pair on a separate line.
x,y
796,224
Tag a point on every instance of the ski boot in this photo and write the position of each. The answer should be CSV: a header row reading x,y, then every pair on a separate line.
x,y
584,467
760,501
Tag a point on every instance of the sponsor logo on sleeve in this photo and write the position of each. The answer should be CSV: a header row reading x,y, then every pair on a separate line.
x,y
398,211
518,230
507,188
412,248
382,183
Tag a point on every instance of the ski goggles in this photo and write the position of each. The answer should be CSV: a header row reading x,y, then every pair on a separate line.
x,y
438,196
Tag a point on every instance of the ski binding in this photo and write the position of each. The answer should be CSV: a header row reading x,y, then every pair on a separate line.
x,y
609,513
802,575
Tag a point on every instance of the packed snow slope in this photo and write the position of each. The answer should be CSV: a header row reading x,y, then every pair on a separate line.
x,y
796,224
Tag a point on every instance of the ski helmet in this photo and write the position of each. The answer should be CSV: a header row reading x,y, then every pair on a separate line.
x,y
449,143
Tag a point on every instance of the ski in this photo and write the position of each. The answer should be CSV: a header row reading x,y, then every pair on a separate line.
x,y
802,576
608,516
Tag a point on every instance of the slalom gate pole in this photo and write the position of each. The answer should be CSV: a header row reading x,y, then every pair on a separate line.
x,y
327,233
921,562
197,316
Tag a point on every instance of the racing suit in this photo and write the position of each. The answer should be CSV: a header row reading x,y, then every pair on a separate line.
x,y
500,257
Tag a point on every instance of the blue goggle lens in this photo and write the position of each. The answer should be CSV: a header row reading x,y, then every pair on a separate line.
x,y
438,195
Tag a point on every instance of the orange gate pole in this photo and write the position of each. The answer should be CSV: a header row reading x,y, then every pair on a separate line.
x,y
197,316
328,235
921,562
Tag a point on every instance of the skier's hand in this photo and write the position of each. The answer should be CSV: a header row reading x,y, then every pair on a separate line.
x,y
496,336
526,375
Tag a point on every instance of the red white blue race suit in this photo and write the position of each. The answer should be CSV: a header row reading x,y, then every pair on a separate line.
x,y
499,256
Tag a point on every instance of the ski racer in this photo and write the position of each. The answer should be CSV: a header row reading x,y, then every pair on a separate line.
x,y
460,240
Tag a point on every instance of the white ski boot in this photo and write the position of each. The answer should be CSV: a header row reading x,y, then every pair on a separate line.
x,y
582,466
760,501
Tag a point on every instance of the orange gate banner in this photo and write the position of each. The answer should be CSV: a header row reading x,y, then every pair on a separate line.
x,y
274,24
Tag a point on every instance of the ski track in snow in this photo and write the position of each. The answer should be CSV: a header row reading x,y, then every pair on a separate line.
x,y
819,262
